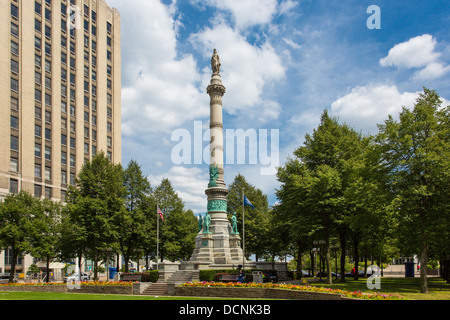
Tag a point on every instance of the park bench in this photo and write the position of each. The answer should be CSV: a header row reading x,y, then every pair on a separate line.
x,y
229,278
131,277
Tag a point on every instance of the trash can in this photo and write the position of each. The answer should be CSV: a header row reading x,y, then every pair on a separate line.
x,y
409,269
112,273
257,277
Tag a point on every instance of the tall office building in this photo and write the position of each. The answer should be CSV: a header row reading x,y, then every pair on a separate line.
x,y
60,92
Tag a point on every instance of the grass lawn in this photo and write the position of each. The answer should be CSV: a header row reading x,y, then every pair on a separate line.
x,y
79,296
408,287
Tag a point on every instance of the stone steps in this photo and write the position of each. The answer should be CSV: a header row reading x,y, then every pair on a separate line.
x,y
156,289
182,276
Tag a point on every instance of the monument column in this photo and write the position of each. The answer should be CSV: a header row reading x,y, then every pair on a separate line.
x,y
215,246
217,191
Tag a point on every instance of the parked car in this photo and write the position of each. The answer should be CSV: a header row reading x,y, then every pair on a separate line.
x,y
324,274
360,274
76,277
269,277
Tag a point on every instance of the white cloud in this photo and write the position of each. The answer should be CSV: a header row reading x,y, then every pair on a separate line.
x,y
418,52
247,12
160,90
364,107
247,70
433,70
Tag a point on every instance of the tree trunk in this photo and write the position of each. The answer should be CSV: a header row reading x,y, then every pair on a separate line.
x,y
95,264
423,269
299,260
13,265
356,256
343,241
328,255
48,270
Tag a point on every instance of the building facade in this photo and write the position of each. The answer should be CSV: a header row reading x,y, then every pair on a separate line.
x,y
60,93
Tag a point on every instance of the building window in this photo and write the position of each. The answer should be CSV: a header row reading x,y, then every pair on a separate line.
x,y
72,161
14,165
48,153
13,186
63,107
64,177
14,85
37,77
37,191
48,99
63,139
14,104
72,143
37,171
14,66
48,83
48,116
14,48
48,192
14,11
37,61
37,150
37,95
63,158
72,127
14,143
48,173
109,127
37,8
14,29
37,25
86,148
48,134
37,130
14,122
37,43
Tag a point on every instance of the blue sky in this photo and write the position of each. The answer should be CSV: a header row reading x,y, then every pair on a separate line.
x,y
283,63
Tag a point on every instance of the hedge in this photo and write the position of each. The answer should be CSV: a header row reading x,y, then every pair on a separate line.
x,y
148,276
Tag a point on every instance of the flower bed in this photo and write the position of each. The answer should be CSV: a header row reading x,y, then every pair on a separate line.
x,y
291,287
99,287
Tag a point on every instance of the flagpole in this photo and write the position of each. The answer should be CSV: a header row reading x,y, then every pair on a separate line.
x,y
157,239
243,231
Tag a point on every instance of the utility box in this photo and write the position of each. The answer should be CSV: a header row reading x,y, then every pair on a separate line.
x,y
257,277
409,269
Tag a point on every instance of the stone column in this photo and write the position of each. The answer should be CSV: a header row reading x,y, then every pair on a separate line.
x,y
217,191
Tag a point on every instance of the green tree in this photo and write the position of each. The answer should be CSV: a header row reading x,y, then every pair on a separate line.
x,y
416,153
178,231
131,222
16,225
46,234
93,203
330,154
256,220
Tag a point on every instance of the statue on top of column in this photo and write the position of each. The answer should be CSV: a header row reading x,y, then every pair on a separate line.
x,y
215,62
